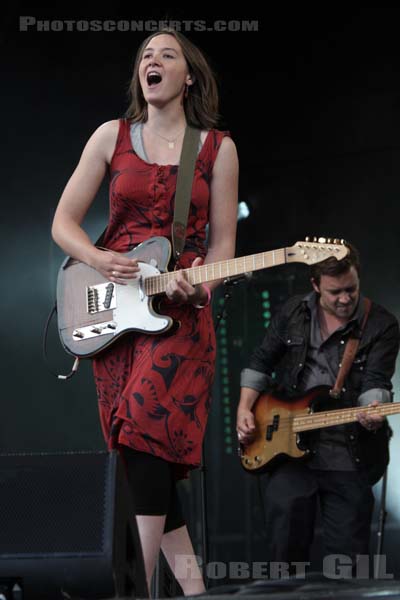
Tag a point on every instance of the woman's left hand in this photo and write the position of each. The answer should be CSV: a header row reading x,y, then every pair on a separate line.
x,y
179,289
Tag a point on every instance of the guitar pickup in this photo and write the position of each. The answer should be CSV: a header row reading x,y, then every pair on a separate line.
x,y
109,294
270,430
275,423
100,297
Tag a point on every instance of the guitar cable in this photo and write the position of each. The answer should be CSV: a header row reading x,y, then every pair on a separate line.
x,y
44,350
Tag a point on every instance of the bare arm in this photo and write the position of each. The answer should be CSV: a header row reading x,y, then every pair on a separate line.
x,y
223,221
223,207
76,200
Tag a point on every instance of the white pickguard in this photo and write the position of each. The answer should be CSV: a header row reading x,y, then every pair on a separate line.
x,y
132,310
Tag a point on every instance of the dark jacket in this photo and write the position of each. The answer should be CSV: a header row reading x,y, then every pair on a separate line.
x,y
284,350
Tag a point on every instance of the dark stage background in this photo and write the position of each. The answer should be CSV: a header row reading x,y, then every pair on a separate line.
x,y
312,99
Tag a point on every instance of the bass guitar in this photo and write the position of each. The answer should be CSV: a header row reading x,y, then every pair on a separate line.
x,y
92,312
280,424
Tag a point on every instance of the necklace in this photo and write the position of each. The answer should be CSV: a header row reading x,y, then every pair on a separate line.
x,y
171,143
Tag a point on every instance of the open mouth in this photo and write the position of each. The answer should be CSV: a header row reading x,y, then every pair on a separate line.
x,y
153,78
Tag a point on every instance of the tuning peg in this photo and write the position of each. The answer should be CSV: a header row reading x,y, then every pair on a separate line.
x,y
315,239
329,240
307,239
322,240
335,241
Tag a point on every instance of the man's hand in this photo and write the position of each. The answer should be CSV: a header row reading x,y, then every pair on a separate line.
x,y
370,421
245,426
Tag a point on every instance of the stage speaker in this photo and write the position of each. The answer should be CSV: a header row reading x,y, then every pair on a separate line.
x,y
67,527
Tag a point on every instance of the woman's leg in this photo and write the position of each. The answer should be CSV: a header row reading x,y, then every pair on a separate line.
x,y
151,529
154,492
178,550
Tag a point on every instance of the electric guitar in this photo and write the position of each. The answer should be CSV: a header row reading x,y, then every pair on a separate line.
x,y
93,312
280,424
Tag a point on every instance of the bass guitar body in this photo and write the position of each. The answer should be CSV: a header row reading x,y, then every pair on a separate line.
x,y
277,437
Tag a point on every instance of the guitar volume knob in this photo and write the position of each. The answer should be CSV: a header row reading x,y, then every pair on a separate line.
x,y
97,330
78,334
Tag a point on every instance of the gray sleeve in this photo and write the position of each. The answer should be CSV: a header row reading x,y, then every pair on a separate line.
x,y
255,380
375,394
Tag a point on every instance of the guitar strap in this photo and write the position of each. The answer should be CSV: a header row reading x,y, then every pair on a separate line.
x,y
349,354
183,193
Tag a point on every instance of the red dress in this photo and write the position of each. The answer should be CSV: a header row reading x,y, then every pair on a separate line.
x,y
154,391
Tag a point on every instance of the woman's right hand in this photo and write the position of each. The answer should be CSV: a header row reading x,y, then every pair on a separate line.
x,y
114,266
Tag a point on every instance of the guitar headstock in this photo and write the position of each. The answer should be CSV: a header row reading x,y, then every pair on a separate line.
x,y
314,250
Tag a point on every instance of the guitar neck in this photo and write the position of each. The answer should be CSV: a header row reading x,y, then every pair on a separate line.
x,y
219,270
341,416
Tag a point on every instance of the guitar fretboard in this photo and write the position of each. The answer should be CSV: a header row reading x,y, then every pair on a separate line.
x,y
218,270
341,416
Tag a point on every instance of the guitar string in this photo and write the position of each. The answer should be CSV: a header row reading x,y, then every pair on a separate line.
x,y
271,256
287,423
252,262
231,268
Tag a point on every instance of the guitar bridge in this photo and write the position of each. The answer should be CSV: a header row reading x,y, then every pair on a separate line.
x,y
100,297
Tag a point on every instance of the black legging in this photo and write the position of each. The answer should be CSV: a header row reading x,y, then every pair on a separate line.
x,y
153,486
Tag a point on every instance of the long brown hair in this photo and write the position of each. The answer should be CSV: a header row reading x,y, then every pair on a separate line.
x,y
201,103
